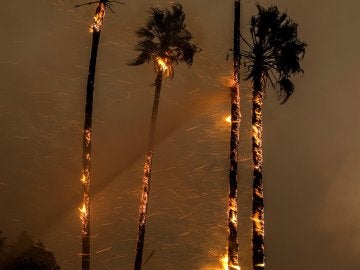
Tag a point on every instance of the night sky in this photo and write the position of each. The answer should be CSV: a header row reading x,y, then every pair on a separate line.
x,y
311,144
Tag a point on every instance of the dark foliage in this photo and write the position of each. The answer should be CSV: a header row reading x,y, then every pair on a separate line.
x,y
275,51
24,254
165,35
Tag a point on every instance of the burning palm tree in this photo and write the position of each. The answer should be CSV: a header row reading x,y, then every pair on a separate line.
x,y
164,41
273,55
95,29
233,246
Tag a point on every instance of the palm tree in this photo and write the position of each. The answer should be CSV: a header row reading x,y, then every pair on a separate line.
x,y
273,55
233,245
164,41
95,29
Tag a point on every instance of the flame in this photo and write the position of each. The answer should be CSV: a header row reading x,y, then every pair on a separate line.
x,y
83,178
164,65
259,223
233,211
145,191
228,119
87,136
85,181
83,213
227,81
98,18
259,193
257,133
224,262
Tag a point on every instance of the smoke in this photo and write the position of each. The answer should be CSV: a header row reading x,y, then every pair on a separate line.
x,y
340,218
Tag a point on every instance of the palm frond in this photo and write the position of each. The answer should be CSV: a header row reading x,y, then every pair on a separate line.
x,y
145,33
275,49
285,90
141,59
165,35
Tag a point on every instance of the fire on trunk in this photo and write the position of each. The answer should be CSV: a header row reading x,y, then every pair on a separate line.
x,y
258,193
98,18
225,265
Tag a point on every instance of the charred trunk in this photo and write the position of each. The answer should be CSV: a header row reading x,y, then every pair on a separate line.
x,y
233,245
147,174
87,154
258,195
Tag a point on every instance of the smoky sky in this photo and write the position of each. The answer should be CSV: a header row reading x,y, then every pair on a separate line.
x,y
311,147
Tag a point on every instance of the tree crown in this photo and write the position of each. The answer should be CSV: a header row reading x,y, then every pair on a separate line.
x,y
165,36
275,50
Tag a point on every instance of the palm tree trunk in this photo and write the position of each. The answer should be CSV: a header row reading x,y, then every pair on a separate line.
x,y
233,246
258,195
85,179
147,174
